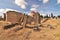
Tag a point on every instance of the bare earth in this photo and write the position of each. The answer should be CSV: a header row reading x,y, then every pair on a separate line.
x,y
45,33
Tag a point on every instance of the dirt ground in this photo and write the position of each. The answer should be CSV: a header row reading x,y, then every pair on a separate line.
x,y
45,33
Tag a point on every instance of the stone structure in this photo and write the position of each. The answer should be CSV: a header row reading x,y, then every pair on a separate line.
x,y
12,16
36,17
29,21
16,17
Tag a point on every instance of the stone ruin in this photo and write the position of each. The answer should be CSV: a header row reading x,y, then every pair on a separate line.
x,y
30,21
15,17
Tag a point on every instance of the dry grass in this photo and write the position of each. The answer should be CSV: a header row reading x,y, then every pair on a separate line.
x,y
45,33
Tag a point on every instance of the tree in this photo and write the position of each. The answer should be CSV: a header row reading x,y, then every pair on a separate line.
x,y
58,16
52,15
46,16
41,16
1,18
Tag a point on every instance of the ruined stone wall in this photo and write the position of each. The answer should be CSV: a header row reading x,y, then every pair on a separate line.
x,y
13,16
16,17
4,16
36,17
30,19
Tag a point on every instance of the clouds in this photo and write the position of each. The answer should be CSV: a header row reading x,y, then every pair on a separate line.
x,y
45,1
58,1
27,5
21,3
34,7
1,10
5,10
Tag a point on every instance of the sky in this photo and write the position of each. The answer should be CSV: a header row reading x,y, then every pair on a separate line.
x,y
41,6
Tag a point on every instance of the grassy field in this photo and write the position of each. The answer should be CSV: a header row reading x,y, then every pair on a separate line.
x,y
45,33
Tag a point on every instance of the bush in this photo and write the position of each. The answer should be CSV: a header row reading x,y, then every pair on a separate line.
x,y
1,18
46,16
58,16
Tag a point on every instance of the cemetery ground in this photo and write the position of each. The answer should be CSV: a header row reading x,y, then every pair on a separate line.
x,y
44,33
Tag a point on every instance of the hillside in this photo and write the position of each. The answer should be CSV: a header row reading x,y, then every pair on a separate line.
x,y
45,33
